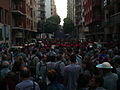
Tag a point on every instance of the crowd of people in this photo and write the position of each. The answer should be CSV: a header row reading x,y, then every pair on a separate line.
x,y
60,65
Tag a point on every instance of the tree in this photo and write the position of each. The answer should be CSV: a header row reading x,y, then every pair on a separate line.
x,y
68,25
52,24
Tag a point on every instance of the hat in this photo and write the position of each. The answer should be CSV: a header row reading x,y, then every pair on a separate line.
x,y
105,65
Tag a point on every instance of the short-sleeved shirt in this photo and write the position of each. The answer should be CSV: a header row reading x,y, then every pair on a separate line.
x,y
50,65
110,81
27,85
71,74
55,86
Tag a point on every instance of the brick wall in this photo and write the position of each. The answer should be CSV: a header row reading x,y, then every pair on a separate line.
x,y
5,4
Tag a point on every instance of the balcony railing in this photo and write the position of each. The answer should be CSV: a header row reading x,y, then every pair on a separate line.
x,y
115,19
16,1
17,10
41,3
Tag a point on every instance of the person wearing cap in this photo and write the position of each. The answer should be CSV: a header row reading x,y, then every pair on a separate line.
x,y
110,79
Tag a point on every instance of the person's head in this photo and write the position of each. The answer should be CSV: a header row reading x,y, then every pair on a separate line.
x,y
67,56
82,81
34,51
51,58
59,57
20,58
17,66
97,81
4,57
24,73
5,64
73,58
52,75
45,57
105,66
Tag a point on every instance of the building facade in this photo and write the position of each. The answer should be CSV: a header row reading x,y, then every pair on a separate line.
x,y
24,20
19,19
71,9
79,19
41,9
53,8
50,8
93,18
111,22
5,21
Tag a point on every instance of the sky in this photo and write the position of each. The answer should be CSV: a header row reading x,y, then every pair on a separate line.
x,y
61,6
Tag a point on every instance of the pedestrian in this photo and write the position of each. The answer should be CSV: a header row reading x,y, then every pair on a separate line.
x,y
53,85
3,73
26,83
83,82
110,79
33,62
97,83
71,74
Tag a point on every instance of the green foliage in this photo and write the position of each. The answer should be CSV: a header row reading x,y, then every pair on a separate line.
x,y
68,25
52,24
54,19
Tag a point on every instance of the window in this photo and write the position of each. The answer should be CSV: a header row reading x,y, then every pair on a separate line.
x,y
6,17
0,14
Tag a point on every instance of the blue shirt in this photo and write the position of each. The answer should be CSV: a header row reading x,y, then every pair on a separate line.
x,y
27,85
55,86
71,74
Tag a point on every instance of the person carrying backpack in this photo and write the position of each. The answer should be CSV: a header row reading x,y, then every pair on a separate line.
x,y
41,71
26,83
59,67
33,62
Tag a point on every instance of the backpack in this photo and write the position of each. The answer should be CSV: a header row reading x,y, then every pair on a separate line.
x,y
58,70
32,66
42,83
57,67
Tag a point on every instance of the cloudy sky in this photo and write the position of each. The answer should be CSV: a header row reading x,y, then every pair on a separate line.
x,y
61,9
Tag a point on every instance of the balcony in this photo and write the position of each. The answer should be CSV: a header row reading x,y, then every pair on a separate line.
x,y
115,19
41,3
16,1
17,10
